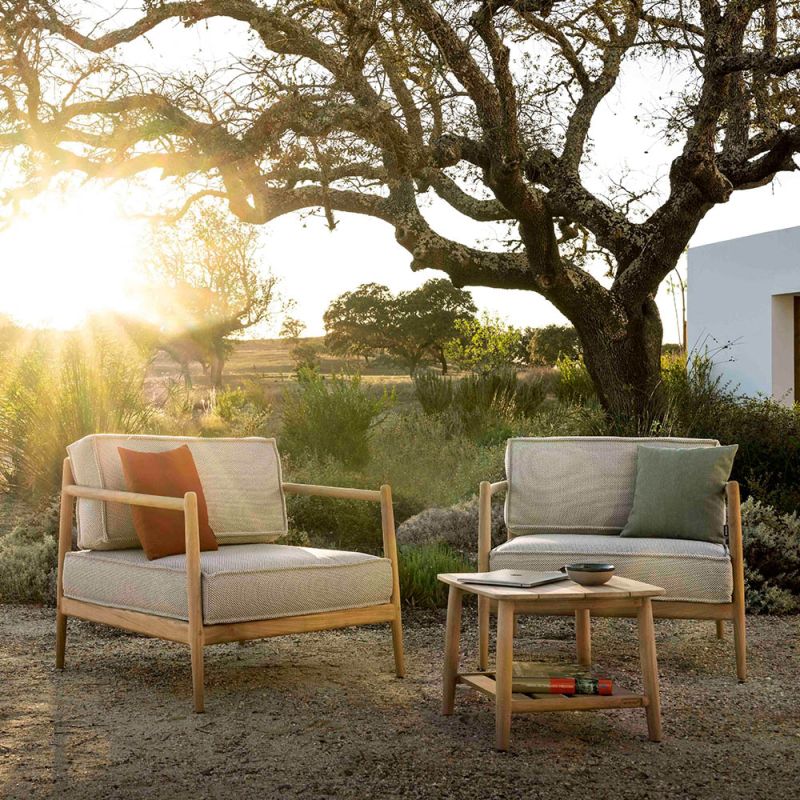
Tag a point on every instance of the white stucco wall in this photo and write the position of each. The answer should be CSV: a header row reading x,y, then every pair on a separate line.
x,y
740,292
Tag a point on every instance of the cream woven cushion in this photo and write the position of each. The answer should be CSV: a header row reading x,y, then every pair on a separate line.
x,y
239,582
688,570
241,481
575,484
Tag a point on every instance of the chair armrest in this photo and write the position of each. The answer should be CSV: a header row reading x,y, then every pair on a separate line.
x,y
340,492
127,498
382,496
485,493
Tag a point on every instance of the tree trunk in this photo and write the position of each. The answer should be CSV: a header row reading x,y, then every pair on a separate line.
x,y
217,365
626,372
442,361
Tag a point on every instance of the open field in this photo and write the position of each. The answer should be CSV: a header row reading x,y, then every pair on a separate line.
x,y
271,359
321,716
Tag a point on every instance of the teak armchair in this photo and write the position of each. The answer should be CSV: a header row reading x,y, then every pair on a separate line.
x,y
567,498
272,589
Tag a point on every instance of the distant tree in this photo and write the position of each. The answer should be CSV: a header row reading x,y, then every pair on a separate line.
x,y
484,345
410,326
208,288
552,341
291,329
356,322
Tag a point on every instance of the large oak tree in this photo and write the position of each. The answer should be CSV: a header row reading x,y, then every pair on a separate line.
x,y
365,106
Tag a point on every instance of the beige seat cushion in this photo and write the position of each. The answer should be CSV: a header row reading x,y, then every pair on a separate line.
x,y
688,570
575,484
241,481
239,582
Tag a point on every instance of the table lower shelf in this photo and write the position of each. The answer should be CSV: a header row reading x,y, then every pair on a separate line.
x,y
484,682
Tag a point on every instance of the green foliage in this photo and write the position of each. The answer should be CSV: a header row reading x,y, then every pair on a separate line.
x,y
768,434
484,345
426,464
333,522
409,327
331,417
434,392
772,558
244,410
483,406
419,566
550,343
28,557
51,397
574,383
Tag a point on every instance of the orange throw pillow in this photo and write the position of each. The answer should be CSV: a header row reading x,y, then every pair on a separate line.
x,y
170,474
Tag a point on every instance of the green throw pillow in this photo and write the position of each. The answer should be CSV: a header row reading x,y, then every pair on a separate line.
x,y
679,493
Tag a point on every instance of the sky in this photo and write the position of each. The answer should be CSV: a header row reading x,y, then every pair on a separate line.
x,y
72,253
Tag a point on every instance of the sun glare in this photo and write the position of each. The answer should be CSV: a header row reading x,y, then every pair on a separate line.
x,y
67,257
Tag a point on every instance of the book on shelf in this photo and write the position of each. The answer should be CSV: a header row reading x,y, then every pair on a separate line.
x,y
543,678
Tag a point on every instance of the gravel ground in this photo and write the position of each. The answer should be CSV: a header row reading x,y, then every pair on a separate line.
x,y
321,716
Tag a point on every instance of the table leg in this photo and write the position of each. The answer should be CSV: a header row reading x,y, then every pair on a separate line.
x,y
484,615
452,641
647,651
503,675
583,636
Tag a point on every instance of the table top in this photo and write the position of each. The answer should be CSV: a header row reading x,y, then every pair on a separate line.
x,y
617,588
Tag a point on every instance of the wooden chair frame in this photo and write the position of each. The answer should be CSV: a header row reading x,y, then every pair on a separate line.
x,y
664,609
194,632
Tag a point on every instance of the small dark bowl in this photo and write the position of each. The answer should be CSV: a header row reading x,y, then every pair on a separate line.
x,y
589,574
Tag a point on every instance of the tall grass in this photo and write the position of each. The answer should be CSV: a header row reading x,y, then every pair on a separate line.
x,y
50,398
483,407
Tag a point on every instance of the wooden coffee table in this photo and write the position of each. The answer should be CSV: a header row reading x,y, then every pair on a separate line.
x,y
621,595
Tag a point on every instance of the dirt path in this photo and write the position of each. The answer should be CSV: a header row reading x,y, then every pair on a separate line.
x,y
319,716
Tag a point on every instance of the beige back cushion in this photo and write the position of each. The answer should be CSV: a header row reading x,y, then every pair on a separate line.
x,y
241,481
575,484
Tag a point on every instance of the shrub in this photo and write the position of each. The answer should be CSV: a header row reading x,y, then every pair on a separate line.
x,y
427,465
484,406
28,558
419,567
331,417
332,522
574,384
244,410
416,455
434,392
53,397
772,557
767,464
456,527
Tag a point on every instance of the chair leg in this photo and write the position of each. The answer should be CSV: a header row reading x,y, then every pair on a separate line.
x,y
61,639
484,607
198,692
740,643
720,629
397,645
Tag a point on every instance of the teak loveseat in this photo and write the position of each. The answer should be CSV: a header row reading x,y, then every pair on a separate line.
x,y
250,588
568,498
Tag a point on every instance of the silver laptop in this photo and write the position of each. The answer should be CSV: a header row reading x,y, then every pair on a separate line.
x,y
515,578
